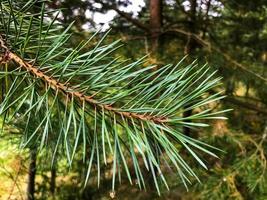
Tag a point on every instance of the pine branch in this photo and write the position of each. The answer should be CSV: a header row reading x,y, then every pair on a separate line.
x,y
69,91
81,99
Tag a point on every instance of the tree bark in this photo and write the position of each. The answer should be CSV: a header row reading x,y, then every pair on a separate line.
x,y
31,175
192,44
155,9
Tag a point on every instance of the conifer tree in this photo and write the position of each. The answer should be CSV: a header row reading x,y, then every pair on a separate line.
x,y
70,99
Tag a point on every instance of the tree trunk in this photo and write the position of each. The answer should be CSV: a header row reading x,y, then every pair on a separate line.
x,y
31,175
192,43
190,48
53,180
155,9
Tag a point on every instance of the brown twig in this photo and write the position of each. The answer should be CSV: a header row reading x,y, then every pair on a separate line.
x,y
5,58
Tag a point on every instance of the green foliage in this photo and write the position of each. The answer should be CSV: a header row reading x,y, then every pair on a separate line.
x,y
69,99
242,174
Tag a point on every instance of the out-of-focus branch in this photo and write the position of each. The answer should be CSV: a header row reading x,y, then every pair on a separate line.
x,y
210,47
247,105
126,16
208,4
181,7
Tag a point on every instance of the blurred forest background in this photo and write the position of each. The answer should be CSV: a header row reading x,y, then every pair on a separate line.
x,y
231,36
